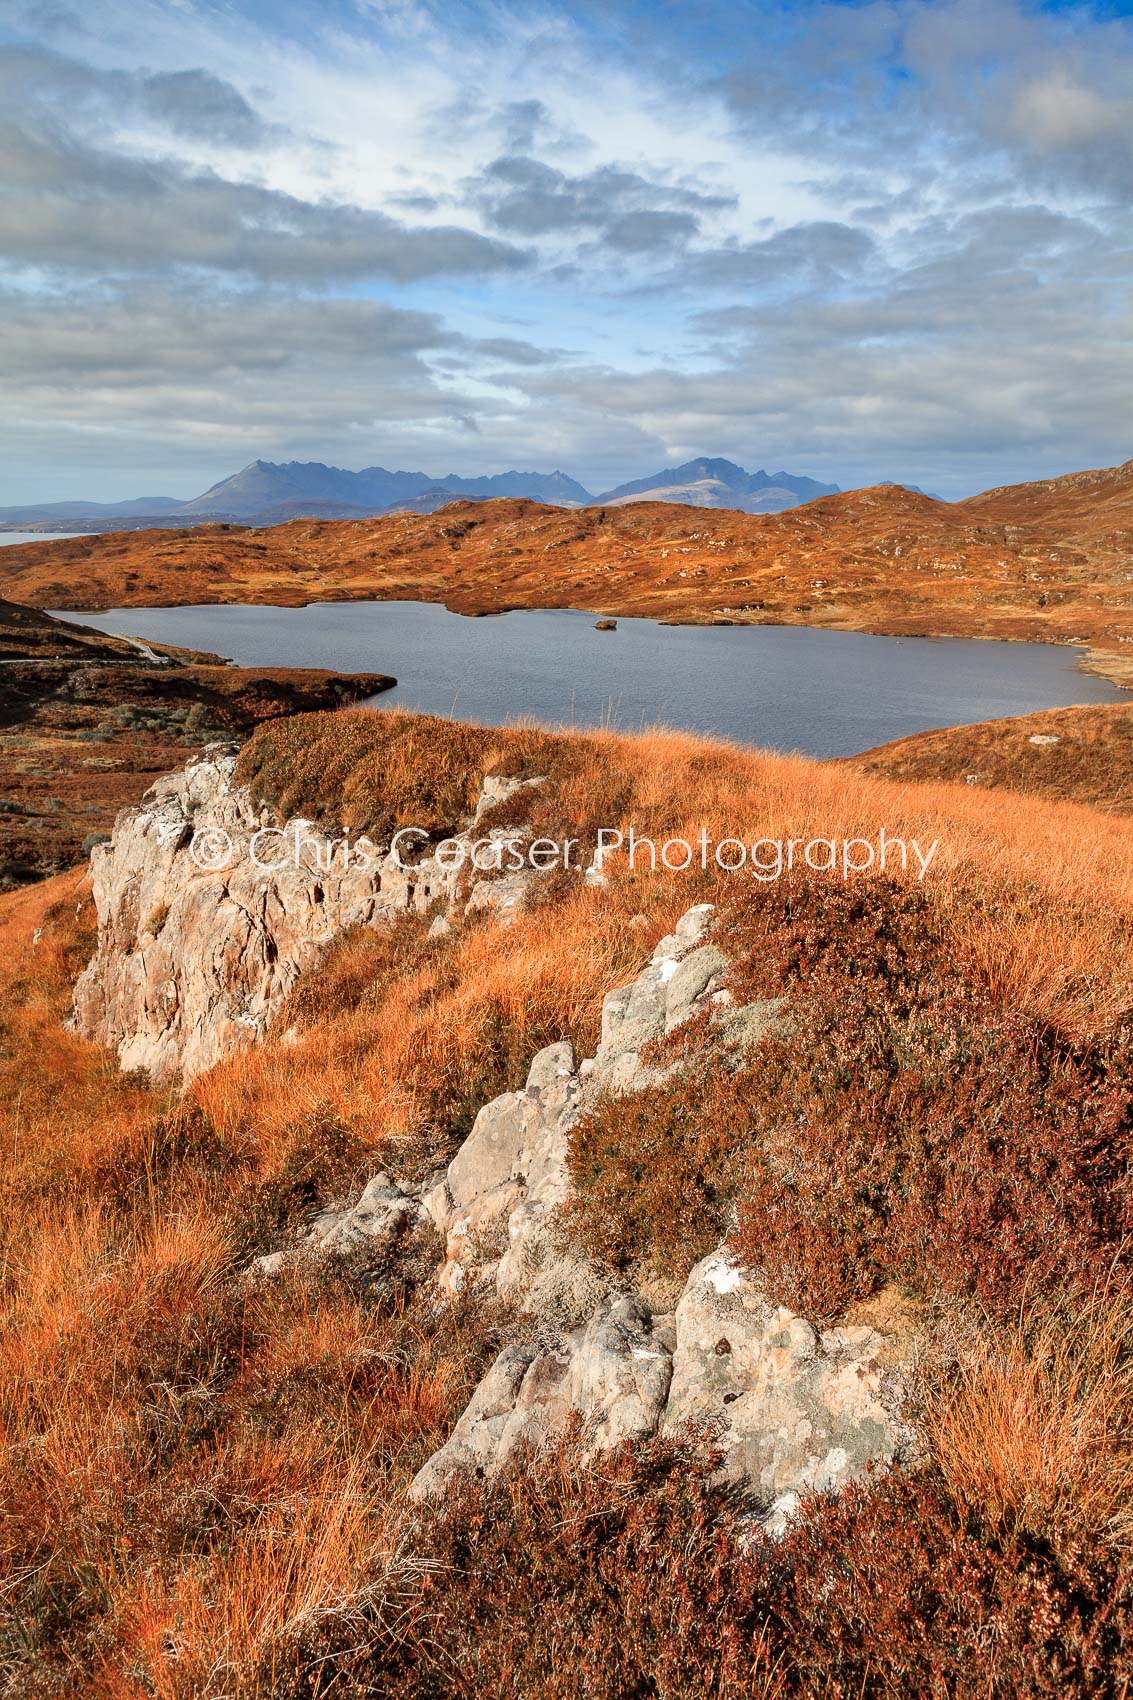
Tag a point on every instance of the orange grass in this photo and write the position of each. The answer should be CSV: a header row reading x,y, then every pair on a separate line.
x,y
189,1473
372,1057
1034,1429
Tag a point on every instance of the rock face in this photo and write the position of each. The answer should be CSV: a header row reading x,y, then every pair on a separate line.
x,y
791,1410
199,943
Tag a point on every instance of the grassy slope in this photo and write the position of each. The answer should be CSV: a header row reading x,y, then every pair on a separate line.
x,y
1086,756
1045,561
202,1486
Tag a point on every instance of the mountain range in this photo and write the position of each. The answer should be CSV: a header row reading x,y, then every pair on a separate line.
x,y
268,492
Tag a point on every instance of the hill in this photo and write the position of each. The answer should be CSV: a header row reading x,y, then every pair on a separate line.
x,y
1091,499
27,634
1047,562
763,1250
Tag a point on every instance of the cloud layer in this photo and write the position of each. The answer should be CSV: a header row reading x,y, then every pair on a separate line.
x,y
888,240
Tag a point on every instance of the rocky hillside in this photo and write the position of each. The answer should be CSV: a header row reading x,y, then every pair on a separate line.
x,y
580,1278
192,965
1041,562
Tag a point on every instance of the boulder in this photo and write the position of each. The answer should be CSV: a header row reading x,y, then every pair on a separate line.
x,y
793,1410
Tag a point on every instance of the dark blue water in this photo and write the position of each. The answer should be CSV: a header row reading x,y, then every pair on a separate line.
x,y
782,687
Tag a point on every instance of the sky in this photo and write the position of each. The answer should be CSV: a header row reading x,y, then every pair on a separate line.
x,y
867,241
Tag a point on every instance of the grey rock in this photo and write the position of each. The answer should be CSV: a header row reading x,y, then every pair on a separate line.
x,y
551,1066
195,961
792,1410
383,1212
691,977
613,1373
694,923
498,789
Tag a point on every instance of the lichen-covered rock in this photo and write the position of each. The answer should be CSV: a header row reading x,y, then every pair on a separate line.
x,y
791,1409
383,1212
612,1374
511,1171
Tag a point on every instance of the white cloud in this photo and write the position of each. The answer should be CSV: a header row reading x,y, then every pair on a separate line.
x,y
878,240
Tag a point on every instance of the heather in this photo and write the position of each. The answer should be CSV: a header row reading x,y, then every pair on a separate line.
x,y
899,1123
627,1578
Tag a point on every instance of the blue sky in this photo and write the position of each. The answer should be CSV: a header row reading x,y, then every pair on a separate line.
x,y
859,241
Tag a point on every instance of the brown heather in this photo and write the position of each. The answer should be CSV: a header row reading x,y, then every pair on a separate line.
x,y
202,1485
1085,755
626,1578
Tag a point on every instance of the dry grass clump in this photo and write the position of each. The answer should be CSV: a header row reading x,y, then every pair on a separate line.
x,y
65,1110
375,772
400,1039
1033,1425
191,1469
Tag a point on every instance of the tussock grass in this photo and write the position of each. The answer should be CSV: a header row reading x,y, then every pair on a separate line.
x,y
1033,1429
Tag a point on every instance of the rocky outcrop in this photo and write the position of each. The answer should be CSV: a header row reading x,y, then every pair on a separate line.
x,y
788,1408
384,1212
193,959
208,912
613,1373
494,1205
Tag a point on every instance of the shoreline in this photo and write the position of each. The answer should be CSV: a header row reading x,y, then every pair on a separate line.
x,y
1115,668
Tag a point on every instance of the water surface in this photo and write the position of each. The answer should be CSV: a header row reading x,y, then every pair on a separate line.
x,y
7,537
781,687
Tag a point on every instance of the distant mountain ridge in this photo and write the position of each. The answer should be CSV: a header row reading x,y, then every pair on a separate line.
x,y
267,492
266,485
721,484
